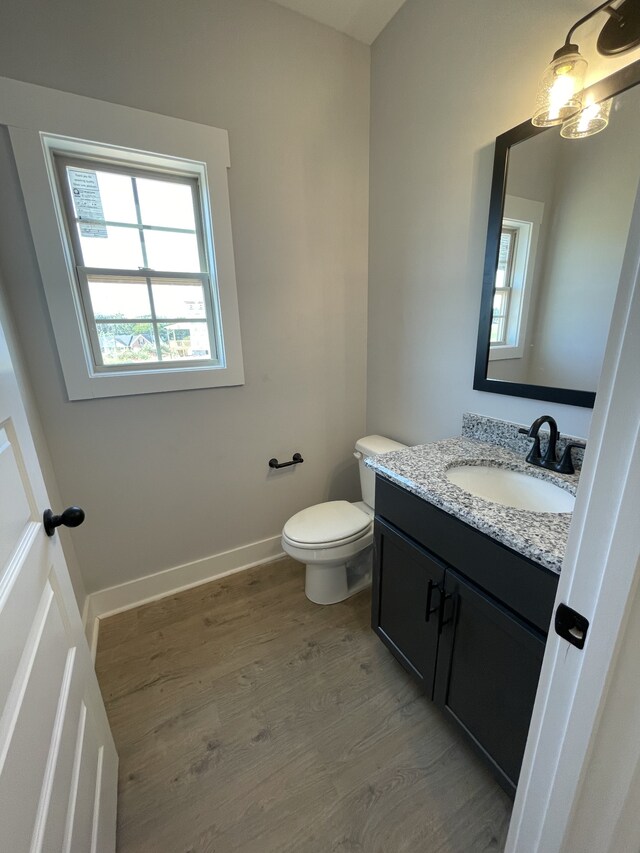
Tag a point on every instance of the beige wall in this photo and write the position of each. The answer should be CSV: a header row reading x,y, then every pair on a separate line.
x,y
531,175
169,478
172,477
596,190
588,188
443,86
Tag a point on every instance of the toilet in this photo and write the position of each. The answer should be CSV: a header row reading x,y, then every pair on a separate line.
x,y
335,539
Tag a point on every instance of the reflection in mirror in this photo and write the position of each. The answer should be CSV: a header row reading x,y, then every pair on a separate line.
x,y
561,210
566,217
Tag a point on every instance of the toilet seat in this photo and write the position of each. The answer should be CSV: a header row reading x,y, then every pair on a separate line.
x,y
329,524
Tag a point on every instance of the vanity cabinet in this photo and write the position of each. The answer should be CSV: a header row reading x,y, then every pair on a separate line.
x,y
408,590
488,668
464,615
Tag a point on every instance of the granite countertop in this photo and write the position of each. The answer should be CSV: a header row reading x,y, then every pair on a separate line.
x,y
540,536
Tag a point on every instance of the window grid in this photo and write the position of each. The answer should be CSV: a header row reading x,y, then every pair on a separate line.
x,y
502,292
84,272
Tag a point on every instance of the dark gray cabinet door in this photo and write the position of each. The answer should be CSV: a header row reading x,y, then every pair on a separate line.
x,y
406,596
488,669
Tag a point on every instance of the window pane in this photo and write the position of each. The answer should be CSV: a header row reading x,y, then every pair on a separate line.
x,y
169,251
178,298
101,195
497,330
506,240
119,249
112,298
165,203
116,192
127,343
499,303
184,340
498,320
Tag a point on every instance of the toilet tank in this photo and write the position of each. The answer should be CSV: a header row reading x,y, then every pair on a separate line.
x,y
372,445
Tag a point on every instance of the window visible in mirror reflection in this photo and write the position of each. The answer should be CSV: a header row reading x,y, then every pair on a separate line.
x,y
588,188
504,286
515,278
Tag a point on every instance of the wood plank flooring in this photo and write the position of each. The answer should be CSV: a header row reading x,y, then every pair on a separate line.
x,y
249,720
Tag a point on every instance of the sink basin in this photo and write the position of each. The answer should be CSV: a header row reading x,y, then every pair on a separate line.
x,y
511,488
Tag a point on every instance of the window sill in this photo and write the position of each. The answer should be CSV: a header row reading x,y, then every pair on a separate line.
x,y
131,382
496,353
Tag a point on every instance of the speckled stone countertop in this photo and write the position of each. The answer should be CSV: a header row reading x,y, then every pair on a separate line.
x,y
540,536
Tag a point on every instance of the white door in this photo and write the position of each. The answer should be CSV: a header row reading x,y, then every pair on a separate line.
x,y
579,788
58,764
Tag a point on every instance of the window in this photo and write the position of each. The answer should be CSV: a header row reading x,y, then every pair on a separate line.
x,y
515,277
504,285
141,264
131,224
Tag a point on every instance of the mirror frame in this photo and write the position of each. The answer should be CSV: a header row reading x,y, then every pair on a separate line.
x,y
615,84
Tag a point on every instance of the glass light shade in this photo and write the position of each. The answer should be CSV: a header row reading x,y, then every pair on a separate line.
x,y
560,90
591,120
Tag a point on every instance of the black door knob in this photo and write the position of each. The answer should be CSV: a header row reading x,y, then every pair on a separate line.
x,y
73,516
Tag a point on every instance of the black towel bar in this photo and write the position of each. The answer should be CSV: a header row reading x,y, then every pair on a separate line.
x,y
273,463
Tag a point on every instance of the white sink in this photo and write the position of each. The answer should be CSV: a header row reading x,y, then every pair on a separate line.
x,y
511,488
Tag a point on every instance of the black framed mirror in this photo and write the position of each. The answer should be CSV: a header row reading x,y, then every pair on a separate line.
x,y
559,217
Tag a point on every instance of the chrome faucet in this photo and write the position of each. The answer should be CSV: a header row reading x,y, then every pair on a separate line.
x,y
549,460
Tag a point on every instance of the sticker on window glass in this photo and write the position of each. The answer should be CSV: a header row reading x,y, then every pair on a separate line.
x,y
87,202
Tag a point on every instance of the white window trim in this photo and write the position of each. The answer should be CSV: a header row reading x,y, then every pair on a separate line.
x,y
526,216
33,113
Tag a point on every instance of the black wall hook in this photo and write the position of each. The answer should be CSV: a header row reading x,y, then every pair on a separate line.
x,y
296,459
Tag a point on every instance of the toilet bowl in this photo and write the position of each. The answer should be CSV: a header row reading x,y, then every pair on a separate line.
x,y
335,539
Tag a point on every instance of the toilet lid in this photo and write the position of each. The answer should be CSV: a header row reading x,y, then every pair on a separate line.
x,y
332,521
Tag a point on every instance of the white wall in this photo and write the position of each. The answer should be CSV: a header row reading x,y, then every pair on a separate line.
x,y
443,85
169,478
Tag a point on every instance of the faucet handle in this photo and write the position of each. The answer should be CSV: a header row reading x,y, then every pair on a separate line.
x,y
565,465
535,453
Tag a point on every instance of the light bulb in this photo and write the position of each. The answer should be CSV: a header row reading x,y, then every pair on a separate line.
x,y
559,95
592,119
560,90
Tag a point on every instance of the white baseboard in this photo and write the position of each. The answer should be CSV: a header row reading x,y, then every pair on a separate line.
x,y
124,596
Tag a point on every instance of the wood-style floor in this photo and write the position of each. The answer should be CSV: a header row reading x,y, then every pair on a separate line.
x,y
248,719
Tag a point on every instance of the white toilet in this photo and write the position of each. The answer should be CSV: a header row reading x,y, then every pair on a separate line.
x,y
335,539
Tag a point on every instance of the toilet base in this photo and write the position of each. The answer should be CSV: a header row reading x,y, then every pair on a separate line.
x,y
329,583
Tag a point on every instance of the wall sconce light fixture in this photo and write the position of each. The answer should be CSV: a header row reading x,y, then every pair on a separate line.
x,y
559,99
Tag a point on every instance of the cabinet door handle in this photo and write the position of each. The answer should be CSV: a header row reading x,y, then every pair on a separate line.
x,y
429,610
444,597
